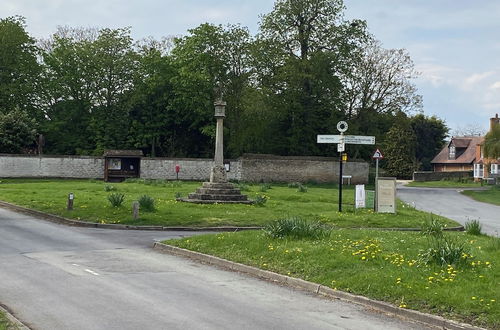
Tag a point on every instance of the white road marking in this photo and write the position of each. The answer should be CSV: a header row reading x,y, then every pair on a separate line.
x,y
91,272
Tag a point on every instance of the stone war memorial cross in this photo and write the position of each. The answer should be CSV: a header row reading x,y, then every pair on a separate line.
x,y
218,189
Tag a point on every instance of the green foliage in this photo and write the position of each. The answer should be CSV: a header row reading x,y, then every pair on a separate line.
x,y
294,184
264,187
147,203
446,250
492,143
116,199
296,228
432,227
17,131
177,195
399,148
302,188
473,227
430,134
109,188
242,186
260,200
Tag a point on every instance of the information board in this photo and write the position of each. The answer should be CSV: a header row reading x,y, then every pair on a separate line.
x,y
385,195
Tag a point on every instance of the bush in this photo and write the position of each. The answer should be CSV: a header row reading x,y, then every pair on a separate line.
x,y
116,199
432,227
473,227
264,187
109,188
296,228
302,188
260,200
147,203
446,251
294,184
177,195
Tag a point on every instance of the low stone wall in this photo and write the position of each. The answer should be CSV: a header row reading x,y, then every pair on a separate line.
x,y
250,168
437,176
27,166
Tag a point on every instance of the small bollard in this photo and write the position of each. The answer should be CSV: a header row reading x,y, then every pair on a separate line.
x,y
71,197
135,210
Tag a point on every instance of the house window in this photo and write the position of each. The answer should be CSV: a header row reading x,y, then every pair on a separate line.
x,y
478,171
494,169
451,153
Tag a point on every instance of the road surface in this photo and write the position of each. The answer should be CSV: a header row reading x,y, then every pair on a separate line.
x,y
452,204
57,277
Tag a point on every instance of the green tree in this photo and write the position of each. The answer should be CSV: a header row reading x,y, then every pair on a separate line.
x,y
430,134
302,50
19,68
492,143
399,148
17,131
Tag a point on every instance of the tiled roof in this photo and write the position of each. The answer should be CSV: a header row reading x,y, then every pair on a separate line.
x,y
467,157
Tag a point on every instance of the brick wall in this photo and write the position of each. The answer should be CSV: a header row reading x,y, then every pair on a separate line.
x,y
251,168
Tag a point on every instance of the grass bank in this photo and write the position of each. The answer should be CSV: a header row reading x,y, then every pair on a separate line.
x,y
387,266
491,196
317,202
5,324
445,184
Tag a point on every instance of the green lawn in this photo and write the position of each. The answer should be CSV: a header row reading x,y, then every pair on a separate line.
x,y
445,184
320,202
491,196
386,266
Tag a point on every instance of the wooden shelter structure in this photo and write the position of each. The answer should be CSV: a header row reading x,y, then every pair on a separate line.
x,y
121,164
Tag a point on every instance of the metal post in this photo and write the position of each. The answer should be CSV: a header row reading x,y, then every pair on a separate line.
x,y
376,192
340,182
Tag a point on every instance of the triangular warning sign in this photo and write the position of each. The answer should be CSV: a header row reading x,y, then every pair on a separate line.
x,y
377,155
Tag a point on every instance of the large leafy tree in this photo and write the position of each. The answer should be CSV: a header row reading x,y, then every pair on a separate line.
x,y
19,69
430,135
492,143
17,131
305,46
399,148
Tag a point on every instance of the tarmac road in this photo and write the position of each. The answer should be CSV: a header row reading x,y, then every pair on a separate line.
x,y
58,277
452,204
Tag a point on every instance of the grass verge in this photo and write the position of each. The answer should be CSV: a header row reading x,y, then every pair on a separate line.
x,y
319,203
387,266
5,323
491,196
445,184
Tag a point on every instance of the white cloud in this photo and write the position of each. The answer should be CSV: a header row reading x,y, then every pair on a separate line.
x,y
495,85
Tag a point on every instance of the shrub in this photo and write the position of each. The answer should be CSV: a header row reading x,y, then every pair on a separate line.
x,y
243,187
109,188
264,187
432,227
296,228
116,199
177,195
446,251
473,227
302,188
294,184
260,200
147,203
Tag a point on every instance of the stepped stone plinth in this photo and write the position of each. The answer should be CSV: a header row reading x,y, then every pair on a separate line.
x,y
218,190
221,193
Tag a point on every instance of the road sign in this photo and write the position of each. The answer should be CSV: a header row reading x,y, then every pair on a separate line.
x,y
377,155
342,126
349,139
341,147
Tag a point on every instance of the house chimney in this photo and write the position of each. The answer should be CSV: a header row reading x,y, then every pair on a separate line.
x,y
494,121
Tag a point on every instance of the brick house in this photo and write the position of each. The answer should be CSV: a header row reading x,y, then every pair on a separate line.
x,y
486,167
460,154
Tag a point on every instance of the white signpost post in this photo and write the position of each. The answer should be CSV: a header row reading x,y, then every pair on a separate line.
x,y
341,140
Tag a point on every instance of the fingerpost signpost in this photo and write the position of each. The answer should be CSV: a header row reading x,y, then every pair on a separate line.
x,y
341,140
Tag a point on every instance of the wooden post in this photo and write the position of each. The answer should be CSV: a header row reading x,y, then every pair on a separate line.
x,y
69,205
135,210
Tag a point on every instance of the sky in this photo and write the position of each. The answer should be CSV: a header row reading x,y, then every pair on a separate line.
x,y
454,44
